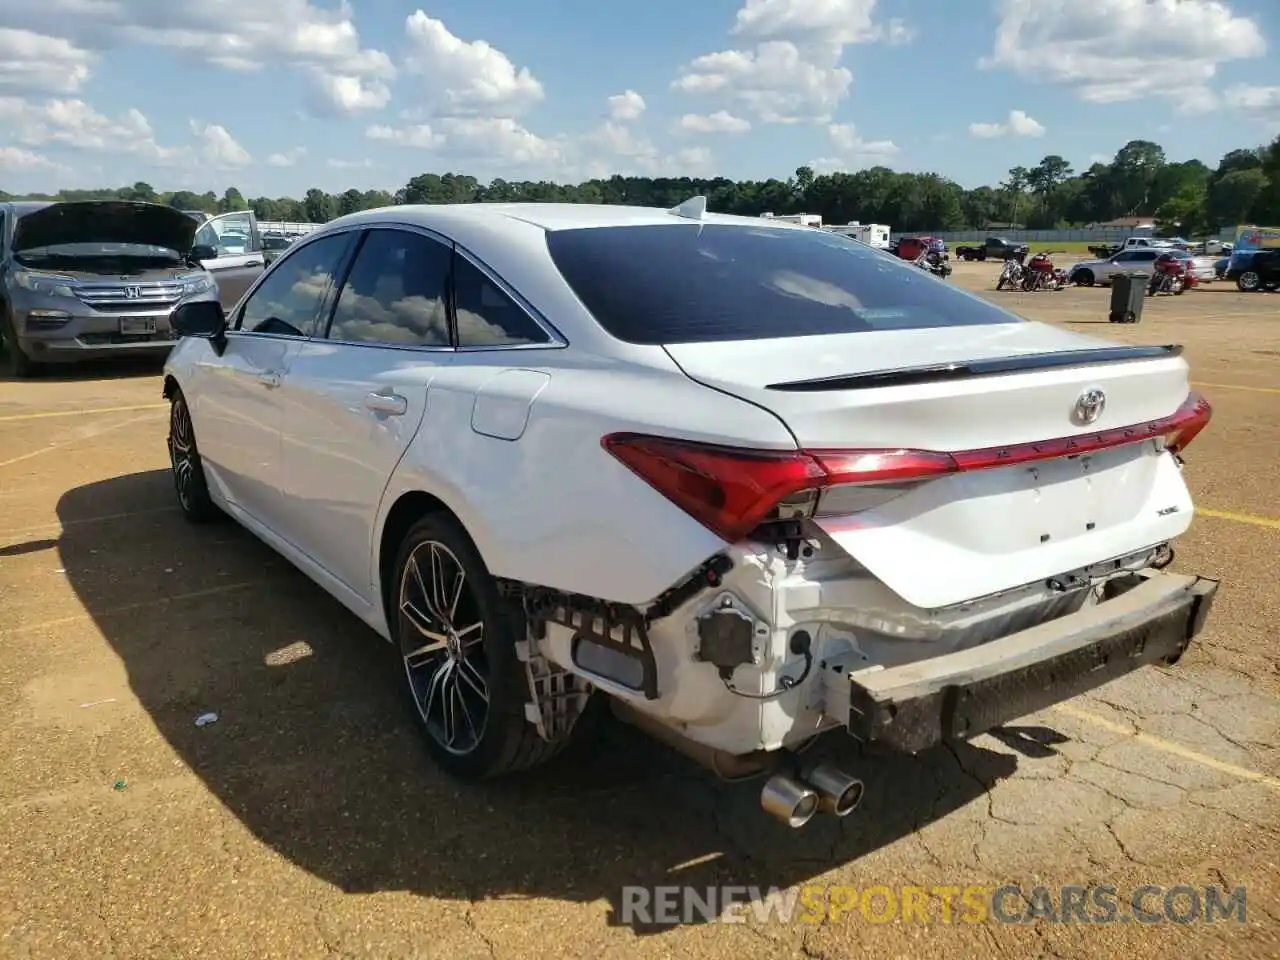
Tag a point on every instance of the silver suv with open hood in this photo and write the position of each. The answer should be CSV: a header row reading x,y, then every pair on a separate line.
x,y
100,278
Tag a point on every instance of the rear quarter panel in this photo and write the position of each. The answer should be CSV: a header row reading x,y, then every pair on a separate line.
x,y
553,507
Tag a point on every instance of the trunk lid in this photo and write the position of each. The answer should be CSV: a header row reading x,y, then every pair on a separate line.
x,y
967,535
105,221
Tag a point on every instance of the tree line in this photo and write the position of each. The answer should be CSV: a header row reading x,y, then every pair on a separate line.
x,y
1187,197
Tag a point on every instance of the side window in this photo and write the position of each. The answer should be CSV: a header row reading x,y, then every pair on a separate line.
x,y
487,317
1146,256
289,299
231,234
395,292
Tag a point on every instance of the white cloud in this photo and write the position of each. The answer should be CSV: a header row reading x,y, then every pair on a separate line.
x,y
694,159
1111,51
418,135
856,152
333,94
719,122
792,73
499,140
218,148
14,159
322,41
287,158
1260,103
898,32
839,22
775,81
1018,124
472,77
627,105
73,123
37,63
336,164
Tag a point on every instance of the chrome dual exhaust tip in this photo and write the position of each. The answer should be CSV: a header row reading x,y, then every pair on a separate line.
x,y
838,793
796,801
789,801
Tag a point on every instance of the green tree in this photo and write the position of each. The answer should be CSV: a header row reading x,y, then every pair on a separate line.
x,y
1231,198
318,206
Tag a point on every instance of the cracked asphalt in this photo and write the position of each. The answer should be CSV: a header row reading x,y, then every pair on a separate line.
x,y
307,822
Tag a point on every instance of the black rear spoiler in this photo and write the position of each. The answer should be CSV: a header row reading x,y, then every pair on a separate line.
x,y
968,369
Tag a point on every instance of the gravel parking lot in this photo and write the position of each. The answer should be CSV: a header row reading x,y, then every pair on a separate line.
x,y
307,822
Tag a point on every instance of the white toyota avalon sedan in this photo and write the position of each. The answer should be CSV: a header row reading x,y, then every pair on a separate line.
x,y
750,482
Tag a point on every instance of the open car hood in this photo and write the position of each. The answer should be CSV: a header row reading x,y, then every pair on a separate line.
x,y
105,221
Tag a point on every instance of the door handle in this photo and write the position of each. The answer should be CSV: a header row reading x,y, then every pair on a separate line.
x,y
269,380
389,403
254,263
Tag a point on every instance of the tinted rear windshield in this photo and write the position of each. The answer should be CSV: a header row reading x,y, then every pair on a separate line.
x,y
697,283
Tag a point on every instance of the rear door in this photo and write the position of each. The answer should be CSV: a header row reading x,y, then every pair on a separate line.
x,y
355,395
240,259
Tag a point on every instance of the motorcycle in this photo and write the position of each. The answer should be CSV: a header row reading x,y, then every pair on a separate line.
x,y
1011,275
1170,275
937,264
934,263
1039,274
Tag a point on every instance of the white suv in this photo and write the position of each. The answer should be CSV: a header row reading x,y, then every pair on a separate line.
x,y
752,483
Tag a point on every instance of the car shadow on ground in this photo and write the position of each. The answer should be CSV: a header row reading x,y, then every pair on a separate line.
x,y
316,755
88,370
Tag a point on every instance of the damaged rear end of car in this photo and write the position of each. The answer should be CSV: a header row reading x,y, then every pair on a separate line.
x,y
974,523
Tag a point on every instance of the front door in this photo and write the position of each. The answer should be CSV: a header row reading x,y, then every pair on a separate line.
x,y
240,259
238,412
356,395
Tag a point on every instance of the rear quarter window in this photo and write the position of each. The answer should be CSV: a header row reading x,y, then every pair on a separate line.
x,y
695,283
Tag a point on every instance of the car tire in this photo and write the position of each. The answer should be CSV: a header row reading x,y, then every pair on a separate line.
x,y
16,363
189,482
465,687
1083,278
1249,281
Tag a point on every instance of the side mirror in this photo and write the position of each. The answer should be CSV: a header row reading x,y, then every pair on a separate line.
x,y
203,318
202,251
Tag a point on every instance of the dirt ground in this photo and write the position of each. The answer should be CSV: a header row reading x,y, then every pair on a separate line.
x,y
307,822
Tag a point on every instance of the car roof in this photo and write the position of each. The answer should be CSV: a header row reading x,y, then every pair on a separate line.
x,y
545,216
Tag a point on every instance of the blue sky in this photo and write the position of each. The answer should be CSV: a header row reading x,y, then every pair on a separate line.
x,y
281,96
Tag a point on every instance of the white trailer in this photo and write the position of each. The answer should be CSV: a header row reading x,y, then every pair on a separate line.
x,y
872,234
804,219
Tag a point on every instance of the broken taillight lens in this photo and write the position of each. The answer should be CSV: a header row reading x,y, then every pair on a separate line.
x,y
732,490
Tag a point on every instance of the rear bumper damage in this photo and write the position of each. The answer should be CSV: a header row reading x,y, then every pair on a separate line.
x,y
960,695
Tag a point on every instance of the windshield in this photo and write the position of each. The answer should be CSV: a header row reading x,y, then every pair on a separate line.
x,y
692,283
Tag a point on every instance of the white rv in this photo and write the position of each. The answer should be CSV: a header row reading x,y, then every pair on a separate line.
x,y
804,219
872,234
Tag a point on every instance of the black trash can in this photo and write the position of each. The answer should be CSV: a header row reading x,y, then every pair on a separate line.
x,y
1128,294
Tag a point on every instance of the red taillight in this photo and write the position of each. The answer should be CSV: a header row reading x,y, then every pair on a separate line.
x,y
729,490
732,491
1192,417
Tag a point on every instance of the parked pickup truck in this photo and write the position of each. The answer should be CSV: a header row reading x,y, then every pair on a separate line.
x,y
995,248
1105,251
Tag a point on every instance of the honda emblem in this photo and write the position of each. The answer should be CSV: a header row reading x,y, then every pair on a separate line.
x,y
132,293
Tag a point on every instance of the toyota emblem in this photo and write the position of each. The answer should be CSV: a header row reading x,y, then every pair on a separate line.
x,y
1090,404
132,293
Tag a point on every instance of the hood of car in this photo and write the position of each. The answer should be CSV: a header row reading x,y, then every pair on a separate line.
x,y
105,221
